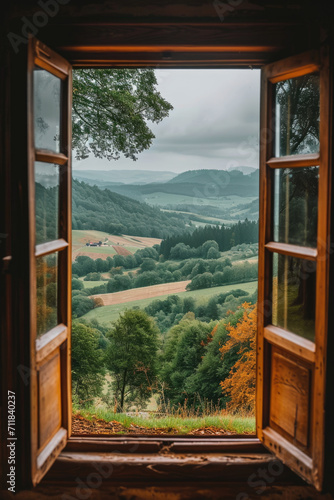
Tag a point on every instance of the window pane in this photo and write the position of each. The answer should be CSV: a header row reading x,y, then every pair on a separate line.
x,y
46,274
296,206
46,199
294,295
46,110
297,109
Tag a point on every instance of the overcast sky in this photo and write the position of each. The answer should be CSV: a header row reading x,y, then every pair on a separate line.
x,y
214,123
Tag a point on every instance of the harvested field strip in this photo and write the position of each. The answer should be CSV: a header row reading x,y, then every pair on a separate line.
x,y
121,250
145,292
108,314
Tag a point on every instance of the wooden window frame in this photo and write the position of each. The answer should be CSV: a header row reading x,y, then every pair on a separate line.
x,y
136,445
78,450
55,343
309,462
147,454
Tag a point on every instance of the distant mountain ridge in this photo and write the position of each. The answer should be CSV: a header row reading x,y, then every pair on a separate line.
x,y
244,169
118,177
203,183
213,175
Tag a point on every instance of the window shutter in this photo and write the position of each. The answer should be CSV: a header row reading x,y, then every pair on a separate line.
x,y
49,186
293,261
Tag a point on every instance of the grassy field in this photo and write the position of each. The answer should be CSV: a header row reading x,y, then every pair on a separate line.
x,y
81,237
173,424
103,250
205,219
130,243
91,284
165,199
108,314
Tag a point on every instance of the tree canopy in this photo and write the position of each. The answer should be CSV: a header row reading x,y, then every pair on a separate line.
x,y
111,108
87,363
240,384
132,357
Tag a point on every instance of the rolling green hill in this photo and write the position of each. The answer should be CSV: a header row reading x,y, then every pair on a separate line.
x,y
206,184
227,195
103,210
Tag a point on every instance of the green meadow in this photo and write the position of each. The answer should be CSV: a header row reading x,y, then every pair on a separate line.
x,y
108,314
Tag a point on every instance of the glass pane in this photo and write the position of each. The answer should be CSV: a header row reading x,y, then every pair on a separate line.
x,y
46,274
46,110
294,295
297,109
296,206
47,200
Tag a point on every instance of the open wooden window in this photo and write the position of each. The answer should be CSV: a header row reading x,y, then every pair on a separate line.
x,y
49,185
293,265
293,262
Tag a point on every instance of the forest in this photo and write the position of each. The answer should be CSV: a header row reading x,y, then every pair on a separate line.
x,y
171,350
225,237
193,365
147,268
103,210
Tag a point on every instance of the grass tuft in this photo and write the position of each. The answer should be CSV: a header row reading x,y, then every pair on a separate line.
x,y
175,424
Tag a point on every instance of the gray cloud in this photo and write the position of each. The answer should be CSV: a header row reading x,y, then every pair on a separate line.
x,y
214,123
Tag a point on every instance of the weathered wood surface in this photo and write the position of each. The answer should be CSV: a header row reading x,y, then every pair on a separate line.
x,y
186,33
165,466
155,444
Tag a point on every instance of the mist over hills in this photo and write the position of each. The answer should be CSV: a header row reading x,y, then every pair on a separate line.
x,y
225,195
118,177
195,183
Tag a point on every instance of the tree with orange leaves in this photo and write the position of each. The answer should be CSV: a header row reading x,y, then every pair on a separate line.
x,y
240,384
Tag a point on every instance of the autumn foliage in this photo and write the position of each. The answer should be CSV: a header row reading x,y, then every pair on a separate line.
x,y
240,384
210,336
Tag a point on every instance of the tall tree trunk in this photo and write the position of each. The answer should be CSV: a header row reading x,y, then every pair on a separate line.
x,y
123,388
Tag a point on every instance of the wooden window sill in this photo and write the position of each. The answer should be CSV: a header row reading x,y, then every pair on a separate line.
x,y
155,460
